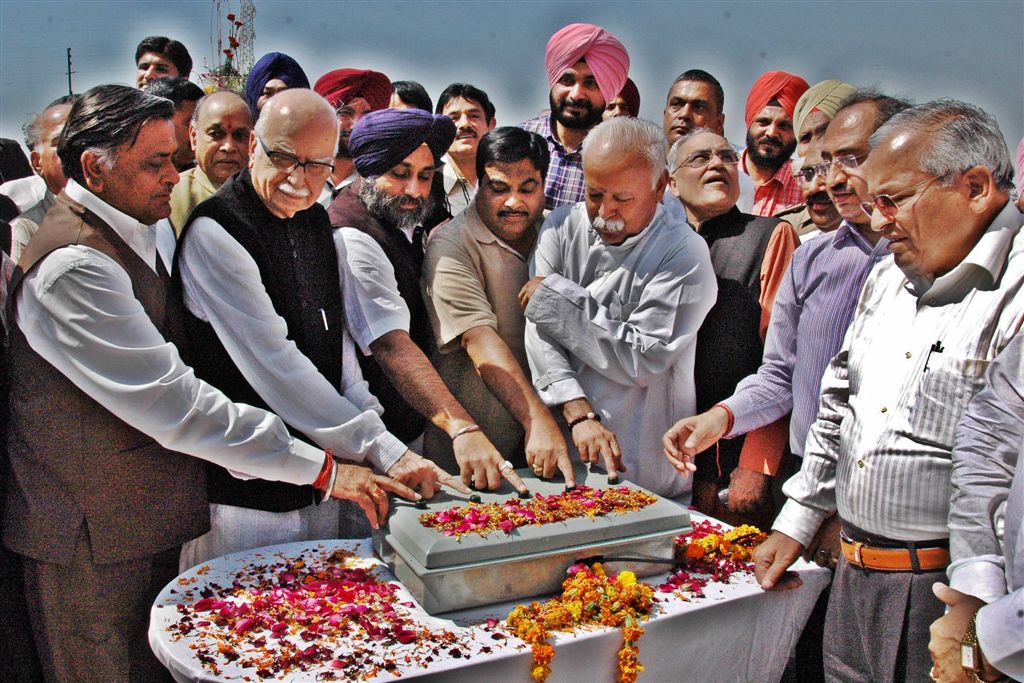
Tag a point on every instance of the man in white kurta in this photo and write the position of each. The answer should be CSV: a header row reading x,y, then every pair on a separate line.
x,y
620,289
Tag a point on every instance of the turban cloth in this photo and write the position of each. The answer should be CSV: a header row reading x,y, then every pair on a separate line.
x,y
341,85
1020,165
774,85
382,139
824,97
631,96
273,65
603,53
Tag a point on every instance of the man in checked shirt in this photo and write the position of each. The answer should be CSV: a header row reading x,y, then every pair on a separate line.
x,y
927,325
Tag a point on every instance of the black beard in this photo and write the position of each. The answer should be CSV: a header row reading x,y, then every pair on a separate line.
x,y
343,150
771,161
384,207
592,118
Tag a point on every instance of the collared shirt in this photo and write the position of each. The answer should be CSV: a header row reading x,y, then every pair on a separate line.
x,y
618,324
132,371
460,192
985,464
331,190
25,192
779,192
914,355
471,278
26,225
223,286
564,183
813,309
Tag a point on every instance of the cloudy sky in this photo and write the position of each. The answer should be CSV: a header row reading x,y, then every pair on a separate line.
x,y
922,50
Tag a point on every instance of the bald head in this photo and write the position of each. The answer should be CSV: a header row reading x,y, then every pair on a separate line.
x,y
294,109
292,151
219,134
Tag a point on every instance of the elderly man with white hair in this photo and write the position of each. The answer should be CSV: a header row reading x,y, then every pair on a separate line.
x,y
620,289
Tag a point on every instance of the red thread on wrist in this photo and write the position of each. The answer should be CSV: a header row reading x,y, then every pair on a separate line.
x,y
728,412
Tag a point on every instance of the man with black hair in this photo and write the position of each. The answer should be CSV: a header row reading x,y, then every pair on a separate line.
x,y
103,412
160,57
475,266
410,95
473,114
184,94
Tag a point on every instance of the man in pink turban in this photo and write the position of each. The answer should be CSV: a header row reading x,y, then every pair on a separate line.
x,y
352,93
771,141
587,67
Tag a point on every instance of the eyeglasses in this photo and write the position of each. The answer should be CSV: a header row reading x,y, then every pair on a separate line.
x,y
286,163
888,204
847,161
703,158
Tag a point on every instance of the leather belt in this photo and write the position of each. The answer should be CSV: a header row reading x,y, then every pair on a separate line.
x,y
894,559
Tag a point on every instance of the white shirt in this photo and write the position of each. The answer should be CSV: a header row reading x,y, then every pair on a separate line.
x,y
25,192
879,451
618,324
373,304
223,287
460,192
331,190
77,310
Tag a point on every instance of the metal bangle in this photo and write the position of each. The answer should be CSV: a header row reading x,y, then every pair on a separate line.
x,y
466,430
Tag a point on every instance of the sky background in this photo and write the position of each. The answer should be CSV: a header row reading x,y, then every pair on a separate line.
x,y
972,51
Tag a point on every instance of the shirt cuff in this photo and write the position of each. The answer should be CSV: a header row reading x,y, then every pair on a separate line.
x,y
982,576
380,326
387,449
561,391
999,628
799,522
309,460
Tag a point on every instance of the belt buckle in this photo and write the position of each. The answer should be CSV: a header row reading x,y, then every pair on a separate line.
x,y
857,559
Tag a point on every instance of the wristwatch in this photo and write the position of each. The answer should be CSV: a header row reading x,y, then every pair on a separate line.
x,y
970,654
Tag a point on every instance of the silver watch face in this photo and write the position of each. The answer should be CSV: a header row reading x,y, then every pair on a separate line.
x,y
967,659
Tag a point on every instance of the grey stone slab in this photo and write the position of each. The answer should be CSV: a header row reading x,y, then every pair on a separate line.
x,y
431,549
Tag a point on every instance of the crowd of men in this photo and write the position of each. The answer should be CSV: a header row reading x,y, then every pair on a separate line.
x,y
239,319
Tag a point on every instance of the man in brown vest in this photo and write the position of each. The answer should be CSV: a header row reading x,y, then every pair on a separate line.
x,y
102,408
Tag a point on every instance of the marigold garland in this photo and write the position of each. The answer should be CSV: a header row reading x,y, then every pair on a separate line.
x,y
589,598
580,501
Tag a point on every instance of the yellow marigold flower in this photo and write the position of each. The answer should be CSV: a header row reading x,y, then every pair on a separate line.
x,y
627,578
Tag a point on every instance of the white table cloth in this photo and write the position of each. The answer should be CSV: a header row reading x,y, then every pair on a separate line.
x,y
737,632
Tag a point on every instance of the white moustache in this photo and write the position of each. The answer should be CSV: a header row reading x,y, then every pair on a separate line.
x,y
297,192
614,225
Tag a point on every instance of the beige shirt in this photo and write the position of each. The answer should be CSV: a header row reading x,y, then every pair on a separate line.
x,y
192,188
472,278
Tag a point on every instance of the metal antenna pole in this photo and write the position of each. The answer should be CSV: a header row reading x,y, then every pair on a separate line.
x,y
69,72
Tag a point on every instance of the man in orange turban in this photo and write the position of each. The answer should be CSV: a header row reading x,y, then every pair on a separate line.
x,y
771,141
587,67
352,93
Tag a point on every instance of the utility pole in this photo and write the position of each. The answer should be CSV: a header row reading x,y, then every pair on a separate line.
x,y
69,72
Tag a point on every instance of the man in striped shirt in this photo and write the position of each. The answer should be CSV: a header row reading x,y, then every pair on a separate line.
x,y
927,325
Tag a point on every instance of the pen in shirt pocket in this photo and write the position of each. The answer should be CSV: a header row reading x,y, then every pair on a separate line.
x,y
323,316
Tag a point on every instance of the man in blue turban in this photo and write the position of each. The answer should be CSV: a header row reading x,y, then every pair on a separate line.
x,y
380,235
274,72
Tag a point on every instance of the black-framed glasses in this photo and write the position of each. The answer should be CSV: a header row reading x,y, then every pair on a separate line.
x,y
888,204
702,158
287,163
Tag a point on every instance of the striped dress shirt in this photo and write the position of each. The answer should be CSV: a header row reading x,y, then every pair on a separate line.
x,y
814,306
914,356
564,184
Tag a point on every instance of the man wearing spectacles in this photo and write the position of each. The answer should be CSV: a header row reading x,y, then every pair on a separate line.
x,y
927,325
749,255
262,286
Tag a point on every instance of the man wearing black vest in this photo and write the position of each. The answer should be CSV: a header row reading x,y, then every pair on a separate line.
x,y
380,239
750,255
262,289
102,408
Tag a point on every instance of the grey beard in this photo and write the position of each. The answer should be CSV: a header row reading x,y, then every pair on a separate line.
x,y
384,207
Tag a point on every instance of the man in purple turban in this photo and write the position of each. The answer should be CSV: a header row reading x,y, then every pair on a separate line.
x,y
274,72
587,67
379,236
